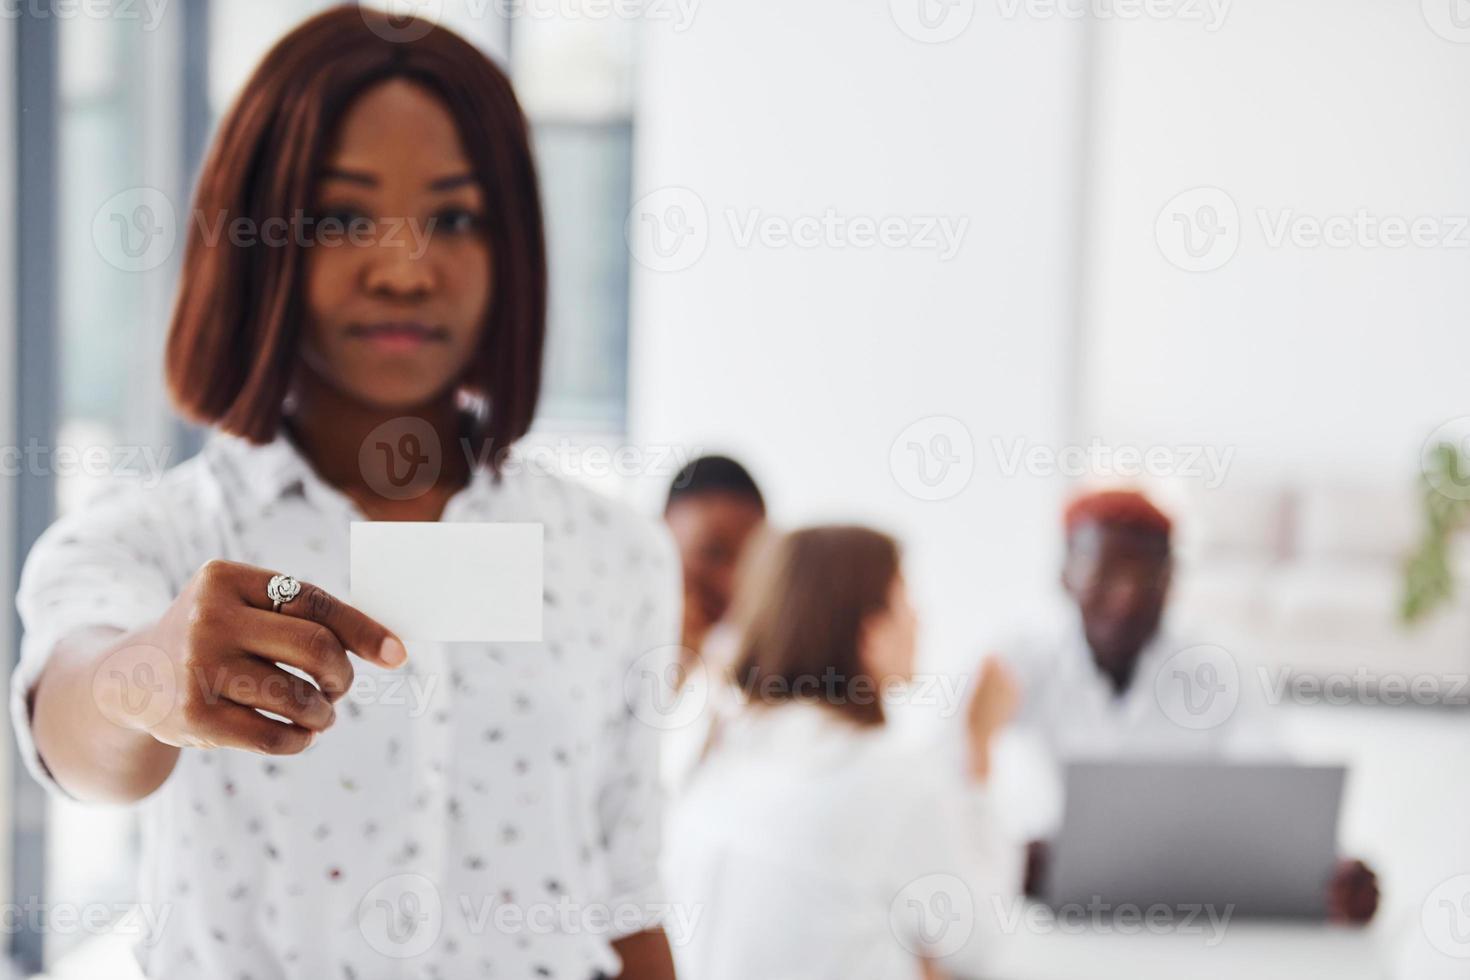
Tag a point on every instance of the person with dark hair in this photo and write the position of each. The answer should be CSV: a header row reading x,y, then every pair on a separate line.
x,y
817,841
318,798
1118,683
714,510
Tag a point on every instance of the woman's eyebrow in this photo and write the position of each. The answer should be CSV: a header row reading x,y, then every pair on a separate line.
x,y
452,181
351,176
365,179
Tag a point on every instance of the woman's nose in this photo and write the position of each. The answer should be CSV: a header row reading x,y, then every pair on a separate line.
x,y
396,270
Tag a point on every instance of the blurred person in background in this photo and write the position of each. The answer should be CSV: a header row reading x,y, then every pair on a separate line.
x,y
714,510
378,370
1116,682
817,842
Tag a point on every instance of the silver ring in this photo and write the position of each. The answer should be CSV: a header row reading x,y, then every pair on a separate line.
x,y
282,589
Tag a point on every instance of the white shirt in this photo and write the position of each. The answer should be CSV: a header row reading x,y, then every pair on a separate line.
x,y
487,811
1187,700
811,848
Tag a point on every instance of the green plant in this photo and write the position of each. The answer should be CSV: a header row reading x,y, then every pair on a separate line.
x,y
1428,577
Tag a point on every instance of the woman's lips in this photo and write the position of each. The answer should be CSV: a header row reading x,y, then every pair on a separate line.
x,y
398,336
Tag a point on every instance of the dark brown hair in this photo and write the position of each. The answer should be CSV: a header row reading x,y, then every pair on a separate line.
x,y
801,612
232,346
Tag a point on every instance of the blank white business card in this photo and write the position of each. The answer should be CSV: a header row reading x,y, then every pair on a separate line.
x,y
450,582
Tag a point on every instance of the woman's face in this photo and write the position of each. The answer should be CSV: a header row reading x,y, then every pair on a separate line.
x,y
890,638
398,282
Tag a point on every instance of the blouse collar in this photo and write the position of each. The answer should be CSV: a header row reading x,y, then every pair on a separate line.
x,y
272,470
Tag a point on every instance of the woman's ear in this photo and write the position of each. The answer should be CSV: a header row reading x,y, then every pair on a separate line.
x,y
866,627
1066,577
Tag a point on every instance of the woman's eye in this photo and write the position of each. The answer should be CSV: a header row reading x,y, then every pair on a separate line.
x,y
340,217
338,225
454,221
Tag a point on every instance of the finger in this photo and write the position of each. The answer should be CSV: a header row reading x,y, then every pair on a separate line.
x,y
235,726
302,644
356,631
257,684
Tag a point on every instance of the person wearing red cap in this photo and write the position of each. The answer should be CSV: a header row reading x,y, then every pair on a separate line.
x,y
1117,682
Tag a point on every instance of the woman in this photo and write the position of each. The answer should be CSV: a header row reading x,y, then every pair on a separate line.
x,y
365,263
814,842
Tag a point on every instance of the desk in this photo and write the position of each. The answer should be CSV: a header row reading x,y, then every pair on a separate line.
x,y
1254,950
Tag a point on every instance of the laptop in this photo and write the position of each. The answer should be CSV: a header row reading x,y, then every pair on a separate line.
x,y
1259,839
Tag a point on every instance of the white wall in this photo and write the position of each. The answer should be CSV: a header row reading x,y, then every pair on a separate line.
x,y
1316,360
808,363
